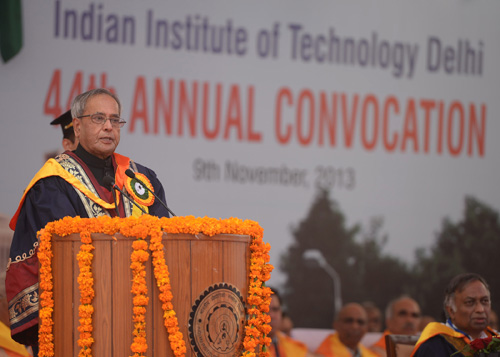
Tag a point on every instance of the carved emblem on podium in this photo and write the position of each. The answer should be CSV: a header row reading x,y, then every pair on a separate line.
x,y
216,322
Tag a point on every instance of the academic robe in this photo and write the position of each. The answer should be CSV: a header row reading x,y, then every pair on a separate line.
x,y
379,347
333,347
287,347
9,347
438,339
65,186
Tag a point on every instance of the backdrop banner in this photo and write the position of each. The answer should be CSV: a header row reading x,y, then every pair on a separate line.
x,y
247,109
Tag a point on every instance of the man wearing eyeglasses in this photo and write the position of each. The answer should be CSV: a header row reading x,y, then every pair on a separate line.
x,y
402,317
75,183
350,327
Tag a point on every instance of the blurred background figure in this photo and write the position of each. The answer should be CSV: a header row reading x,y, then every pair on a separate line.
x,y
65,120
402,317
286,324
69,141
374,316
282,345
493,320
350,327
424,320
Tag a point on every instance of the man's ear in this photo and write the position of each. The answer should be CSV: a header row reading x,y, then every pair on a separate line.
x,y
67,144
76,126
450,311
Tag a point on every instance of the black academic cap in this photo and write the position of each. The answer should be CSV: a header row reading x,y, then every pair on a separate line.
x,y
66,122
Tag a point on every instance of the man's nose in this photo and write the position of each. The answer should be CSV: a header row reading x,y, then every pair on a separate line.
x,y
479,307
107,125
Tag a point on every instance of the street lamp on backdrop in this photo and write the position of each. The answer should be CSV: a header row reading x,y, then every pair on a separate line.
x,y
315,254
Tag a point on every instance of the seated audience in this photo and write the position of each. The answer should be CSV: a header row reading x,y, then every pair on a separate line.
x,y
282,345
493,320
467,308
374,317
424,321
402,317
286,324
350,327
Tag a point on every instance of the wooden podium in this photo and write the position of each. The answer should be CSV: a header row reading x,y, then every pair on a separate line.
x,y
195,263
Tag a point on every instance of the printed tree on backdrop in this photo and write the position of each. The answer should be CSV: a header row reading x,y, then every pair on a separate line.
x,y
383,277
308,291
470,245
364,272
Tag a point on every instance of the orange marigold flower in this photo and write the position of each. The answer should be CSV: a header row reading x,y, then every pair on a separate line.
x,y
142,227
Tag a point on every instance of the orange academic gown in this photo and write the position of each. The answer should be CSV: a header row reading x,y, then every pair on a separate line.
x,y
333,347
288,347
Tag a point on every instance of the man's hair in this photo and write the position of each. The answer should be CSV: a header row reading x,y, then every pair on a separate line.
x,y
277,294
389,310
370,306
457,284
80,101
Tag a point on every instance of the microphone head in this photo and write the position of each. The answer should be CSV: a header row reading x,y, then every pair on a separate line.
x,y
108,181
130,173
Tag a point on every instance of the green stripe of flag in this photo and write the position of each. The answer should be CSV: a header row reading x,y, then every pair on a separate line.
x,y
11,28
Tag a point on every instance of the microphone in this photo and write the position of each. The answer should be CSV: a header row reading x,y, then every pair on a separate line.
x,y
132,175
110,182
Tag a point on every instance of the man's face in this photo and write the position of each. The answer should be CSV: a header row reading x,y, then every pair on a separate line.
x,y
275,314
351,325
286,325
405,318
472,309
374,323
100,140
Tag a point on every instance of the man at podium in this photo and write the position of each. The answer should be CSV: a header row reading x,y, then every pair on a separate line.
x,y
90,181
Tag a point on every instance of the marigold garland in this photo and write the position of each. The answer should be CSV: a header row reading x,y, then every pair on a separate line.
x,y
86,287
140,290
259,296
163,282
45,255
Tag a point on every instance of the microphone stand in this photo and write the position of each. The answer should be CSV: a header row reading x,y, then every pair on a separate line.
x,y
132,175
110,182
116,206
130,199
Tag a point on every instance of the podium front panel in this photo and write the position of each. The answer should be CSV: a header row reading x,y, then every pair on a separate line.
x,y
195,262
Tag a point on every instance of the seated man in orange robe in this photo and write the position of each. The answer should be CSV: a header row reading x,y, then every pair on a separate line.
x,y
282,345
402,317
374,317
350,327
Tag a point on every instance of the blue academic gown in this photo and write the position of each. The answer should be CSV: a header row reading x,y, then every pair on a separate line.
x,y
50,199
